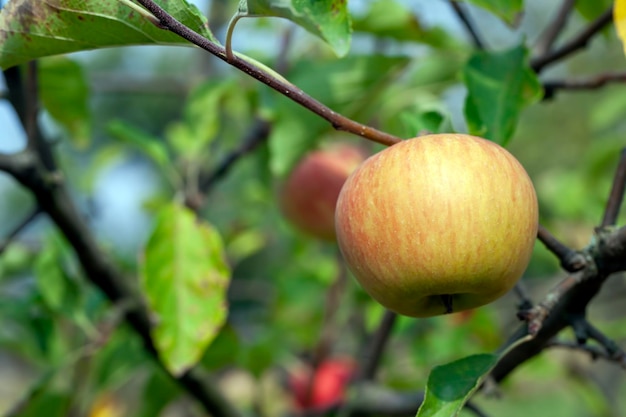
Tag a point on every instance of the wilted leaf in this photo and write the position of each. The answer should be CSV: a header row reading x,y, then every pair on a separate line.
x,y
184,277
327,19
500,85
31,29
65,93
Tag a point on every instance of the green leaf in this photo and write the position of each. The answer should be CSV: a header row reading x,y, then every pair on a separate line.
x,y
201,121
349,86
429,121
508,10
591,9
64,93
158,392
327,19
390,19
450,386
151,146
500,85
31,29
184,277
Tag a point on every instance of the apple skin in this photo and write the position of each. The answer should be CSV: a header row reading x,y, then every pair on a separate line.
x,y
440,217
328,385
309,196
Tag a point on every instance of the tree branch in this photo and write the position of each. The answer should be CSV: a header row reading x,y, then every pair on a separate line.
x,y
468,23
553,30
567,300
273,81
377,346
594,351
550,88
577,42
571,260
616,197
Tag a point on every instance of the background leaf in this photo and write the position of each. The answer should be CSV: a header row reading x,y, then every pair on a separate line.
x,y
64,92
508,10
32,29
349,85
390,19
184,277
499,86
327,19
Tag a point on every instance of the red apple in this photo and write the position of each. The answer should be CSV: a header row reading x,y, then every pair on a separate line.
x,y
438,224
309,196
326,388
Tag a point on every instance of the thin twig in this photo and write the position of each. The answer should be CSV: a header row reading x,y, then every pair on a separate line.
x,y
616,197
594,351
570,260
274,81
521,291
550,88
377,347
554,28
19,228
468,23
577,42
538,314
258,133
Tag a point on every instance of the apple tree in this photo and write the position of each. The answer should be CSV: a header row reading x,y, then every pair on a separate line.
x,y
169,180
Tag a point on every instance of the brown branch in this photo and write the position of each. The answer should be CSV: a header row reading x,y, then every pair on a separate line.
x,y
377,346
552,87
568,300
553,30
571,260
468,23
594,351
616,196
577,42
281,85
258,134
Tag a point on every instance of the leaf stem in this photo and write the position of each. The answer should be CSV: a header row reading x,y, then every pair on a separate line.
x,y
285,88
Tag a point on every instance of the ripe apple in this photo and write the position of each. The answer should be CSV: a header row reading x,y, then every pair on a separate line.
x,y
309,196
326,388
437,224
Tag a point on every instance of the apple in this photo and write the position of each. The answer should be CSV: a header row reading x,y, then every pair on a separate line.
x,y
309,195
326,388
437,224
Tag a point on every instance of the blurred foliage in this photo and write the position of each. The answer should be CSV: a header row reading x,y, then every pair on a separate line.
x,y
179,114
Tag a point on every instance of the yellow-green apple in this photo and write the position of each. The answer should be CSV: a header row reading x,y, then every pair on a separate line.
x,y
309,195
327,386
437,224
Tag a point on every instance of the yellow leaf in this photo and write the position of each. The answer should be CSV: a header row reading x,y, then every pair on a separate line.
x,y
619,17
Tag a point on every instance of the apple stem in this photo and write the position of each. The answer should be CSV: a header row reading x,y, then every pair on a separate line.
x,y
446,300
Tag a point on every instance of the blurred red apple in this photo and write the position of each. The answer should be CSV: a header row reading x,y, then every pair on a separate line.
x,y
309,196
438,224
327,387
